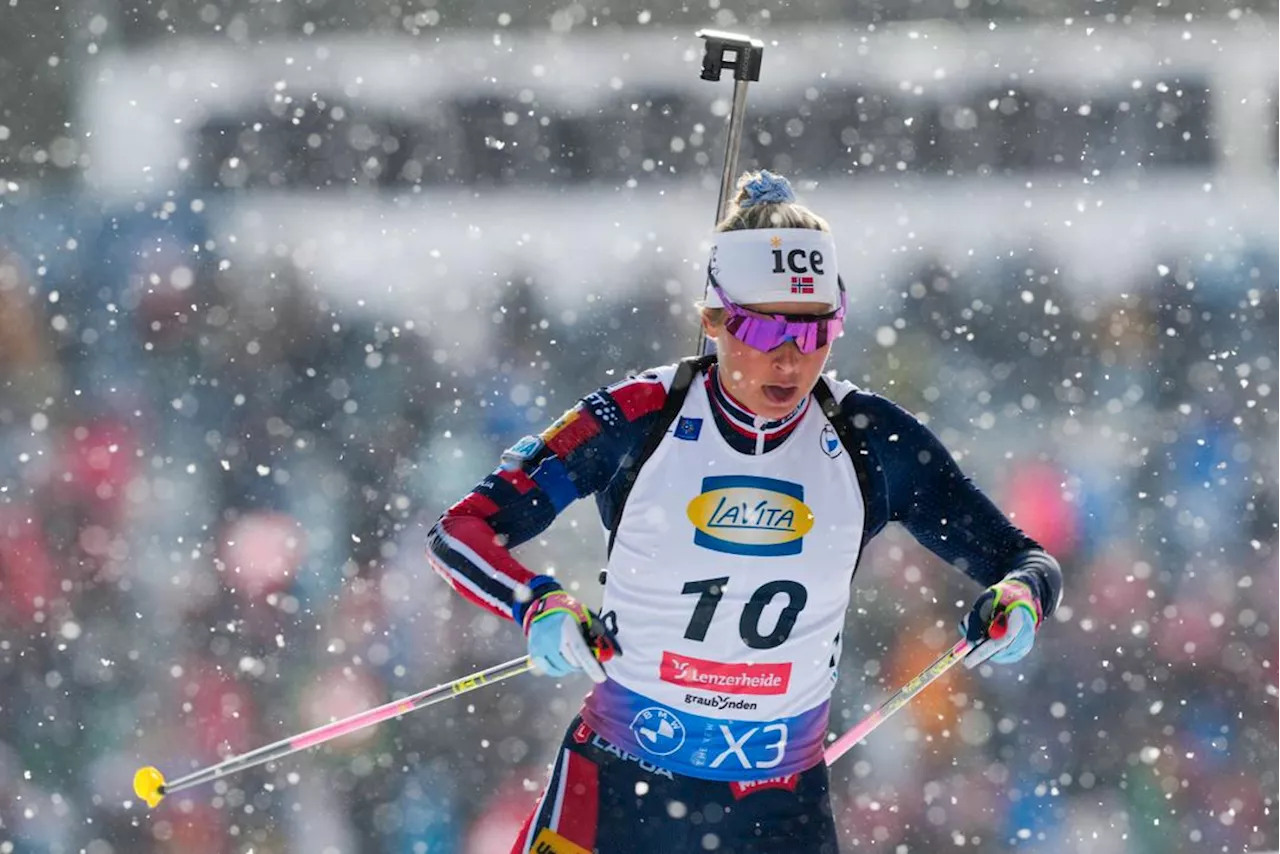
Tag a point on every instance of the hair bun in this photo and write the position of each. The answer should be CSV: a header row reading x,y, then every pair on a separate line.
x,y
767,188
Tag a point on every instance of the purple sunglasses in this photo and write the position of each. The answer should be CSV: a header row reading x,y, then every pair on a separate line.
x,y
768,332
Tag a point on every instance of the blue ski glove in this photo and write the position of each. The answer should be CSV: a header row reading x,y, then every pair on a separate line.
x,y
558,628
1003,622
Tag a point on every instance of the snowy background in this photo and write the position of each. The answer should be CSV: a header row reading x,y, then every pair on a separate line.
x,y
278,281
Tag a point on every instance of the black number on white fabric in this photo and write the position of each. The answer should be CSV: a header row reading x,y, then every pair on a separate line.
x,y
749,625
711,590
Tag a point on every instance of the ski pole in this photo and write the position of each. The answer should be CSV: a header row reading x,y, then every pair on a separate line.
x,y
149,784
945,662
743,54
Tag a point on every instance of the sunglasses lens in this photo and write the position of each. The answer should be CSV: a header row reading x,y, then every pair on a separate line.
x,y
767,334
830,331
756,333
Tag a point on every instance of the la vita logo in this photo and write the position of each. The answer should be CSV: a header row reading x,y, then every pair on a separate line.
x,y
746,515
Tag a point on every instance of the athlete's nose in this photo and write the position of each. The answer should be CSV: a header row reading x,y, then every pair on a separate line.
x,y
786,359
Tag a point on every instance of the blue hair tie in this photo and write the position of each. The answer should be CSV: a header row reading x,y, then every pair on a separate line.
x,y
767,189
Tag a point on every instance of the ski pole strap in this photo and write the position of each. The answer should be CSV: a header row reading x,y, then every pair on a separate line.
x,y
556,602
997,604
602,642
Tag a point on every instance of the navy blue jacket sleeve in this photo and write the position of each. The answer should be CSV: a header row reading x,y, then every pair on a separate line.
x,y
912,479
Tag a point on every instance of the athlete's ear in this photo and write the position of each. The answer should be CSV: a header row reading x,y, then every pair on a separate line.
x,y
712,319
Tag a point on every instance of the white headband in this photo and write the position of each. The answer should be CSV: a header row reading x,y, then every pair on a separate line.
x,y
759,265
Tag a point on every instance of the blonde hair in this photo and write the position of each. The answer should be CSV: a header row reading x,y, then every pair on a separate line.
x,y
767,214
747,211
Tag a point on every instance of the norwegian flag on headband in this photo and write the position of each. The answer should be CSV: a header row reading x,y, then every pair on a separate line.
x,y
802,284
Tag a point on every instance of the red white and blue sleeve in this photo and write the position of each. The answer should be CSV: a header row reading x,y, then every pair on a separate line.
x,y
578,455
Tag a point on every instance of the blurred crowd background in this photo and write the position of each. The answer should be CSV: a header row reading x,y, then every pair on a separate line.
x,y
279,281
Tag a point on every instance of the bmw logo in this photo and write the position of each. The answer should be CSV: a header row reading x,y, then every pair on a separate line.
x,y
659,731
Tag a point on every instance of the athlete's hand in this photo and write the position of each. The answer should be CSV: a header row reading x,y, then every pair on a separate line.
x,y
1005,619
558,628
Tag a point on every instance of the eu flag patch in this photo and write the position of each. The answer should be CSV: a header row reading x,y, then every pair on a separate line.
x,y
688,429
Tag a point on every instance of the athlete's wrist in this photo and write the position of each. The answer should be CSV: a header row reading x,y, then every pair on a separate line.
x,y
556,602
537,587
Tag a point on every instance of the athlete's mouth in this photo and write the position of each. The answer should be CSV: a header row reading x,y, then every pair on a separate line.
x,y
779,393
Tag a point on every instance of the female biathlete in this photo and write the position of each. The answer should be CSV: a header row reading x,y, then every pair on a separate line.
x,y
738,491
